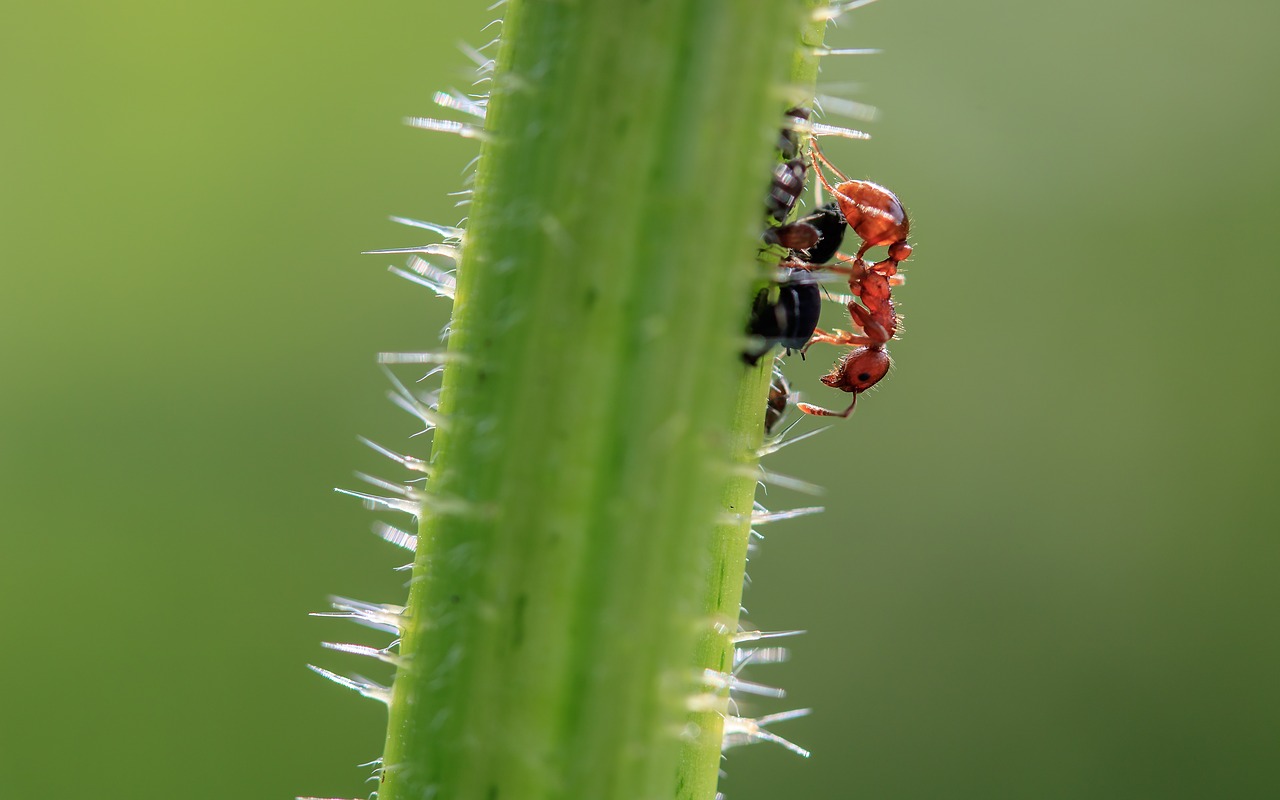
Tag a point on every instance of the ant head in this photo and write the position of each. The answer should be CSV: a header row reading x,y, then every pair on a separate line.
x,y
859,369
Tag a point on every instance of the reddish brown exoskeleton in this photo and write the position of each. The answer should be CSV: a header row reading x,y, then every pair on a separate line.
x,y
878,218
877,322
872,211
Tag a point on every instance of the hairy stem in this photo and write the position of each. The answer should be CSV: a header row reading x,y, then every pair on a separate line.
x,y
596,416
699,767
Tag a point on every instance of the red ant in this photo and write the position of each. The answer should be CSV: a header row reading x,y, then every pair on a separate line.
x,y
877,216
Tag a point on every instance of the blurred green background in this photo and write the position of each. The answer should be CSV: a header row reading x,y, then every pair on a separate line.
x,y
1049,567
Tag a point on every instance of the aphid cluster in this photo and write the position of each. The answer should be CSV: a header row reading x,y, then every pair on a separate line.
x,y
786,313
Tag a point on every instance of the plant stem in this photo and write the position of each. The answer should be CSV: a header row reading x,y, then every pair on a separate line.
x,y
699,767
596,412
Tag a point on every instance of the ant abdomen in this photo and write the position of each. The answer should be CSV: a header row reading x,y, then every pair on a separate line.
x,y
874,213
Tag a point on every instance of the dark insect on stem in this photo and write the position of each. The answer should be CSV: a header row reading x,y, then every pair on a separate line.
x,y
785,314
776,408
814,238
788,176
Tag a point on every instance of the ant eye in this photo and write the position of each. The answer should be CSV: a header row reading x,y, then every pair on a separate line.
x,y
863,377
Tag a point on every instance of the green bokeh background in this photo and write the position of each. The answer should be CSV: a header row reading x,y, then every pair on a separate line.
x,y
1049,567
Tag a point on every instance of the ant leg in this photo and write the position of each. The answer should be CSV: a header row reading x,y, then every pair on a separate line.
x,y
887,267
823,178
834,269
806,266
818,411
873,327
857,266
819,335
814,150
814,156
854,340
837,338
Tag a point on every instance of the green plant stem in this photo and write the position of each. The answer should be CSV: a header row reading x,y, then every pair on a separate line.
x,y
724,580
596,410
700,761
